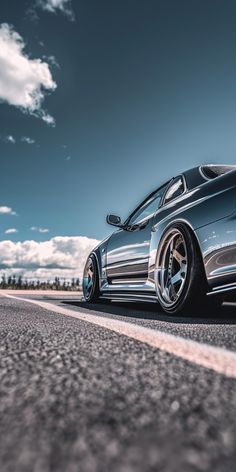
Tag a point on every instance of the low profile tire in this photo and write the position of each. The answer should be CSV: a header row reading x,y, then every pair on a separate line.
x,y
181,283
91,280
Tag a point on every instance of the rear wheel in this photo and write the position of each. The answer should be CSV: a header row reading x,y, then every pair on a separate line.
x,y
181,281
91,280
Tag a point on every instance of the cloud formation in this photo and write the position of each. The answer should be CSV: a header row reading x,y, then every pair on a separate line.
x,y
10,139
61,256
26,139
5,210
23,81
11,231
39,230
54,6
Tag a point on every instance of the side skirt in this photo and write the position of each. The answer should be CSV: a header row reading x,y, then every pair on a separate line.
x,y
127,297
223,289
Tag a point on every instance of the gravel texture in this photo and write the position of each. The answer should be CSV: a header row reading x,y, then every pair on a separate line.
x,y
75,397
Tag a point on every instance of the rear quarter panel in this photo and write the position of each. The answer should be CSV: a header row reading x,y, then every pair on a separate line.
x,y
209,208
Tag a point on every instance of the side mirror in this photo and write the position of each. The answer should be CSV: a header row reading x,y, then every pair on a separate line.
x,y
114,220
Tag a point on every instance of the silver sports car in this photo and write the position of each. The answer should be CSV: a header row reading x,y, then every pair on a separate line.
x,y
177,248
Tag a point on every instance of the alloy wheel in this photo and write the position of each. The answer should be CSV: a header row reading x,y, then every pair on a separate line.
x,y
172,266
88,279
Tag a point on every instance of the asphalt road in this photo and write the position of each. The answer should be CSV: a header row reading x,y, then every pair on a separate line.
x,y
78,397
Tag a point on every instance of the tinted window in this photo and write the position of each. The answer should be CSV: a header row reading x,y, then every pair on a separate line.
x,y
175,190
211,171
148,208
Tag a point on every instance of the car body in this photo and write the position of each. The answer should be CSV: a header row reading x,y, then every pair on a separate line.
x,y
198,207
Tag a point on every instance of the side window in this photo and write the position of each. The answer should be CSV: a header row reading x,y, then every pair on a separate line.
x,y
175,190
148,208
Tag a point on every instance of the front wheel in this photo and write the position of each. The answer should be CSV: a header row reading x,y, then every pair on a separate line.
x,y
181,283
91,280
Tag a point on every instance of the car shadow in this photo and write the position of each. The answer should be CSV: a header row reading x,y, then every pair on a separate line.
x,y
151,311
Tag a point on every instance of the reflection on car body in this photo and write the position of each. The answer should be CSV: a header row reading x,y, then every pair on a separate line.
x,y
178,247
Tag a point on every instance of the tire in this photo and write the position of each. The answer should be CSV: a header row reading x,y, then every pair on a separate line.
x,y
91,280
181,282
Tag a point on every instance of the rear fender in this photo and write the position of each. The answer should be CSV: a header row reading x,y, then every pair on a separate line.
x,y
218,246
156,237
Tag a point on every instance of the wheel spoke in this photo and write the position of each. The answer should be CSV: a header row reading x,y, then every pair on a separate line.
x,y
172,267
178,257
171,290
176,278
89,284
89,278
183,269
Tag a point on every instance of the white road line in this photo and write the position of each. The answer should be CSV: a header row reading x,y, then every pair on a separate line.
x,y
217,359
229,303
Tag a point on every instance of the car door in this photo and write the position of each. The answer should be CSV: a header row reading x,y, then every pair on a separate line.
x,y
128,248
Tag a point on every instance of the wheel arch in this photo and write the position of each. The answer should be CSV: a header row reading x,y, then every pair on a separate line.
x,y
188,225
93,253
97,255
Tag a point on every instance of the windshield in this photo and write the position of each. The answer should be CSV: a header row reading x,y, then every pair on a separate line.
x,y
148,207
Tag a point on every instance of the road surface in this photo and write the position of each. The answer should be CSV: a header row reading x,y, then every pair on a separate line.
x,y
118,388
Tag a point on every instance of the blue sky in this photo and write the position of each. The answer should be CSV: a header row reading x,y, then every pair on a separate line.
x,y
135,91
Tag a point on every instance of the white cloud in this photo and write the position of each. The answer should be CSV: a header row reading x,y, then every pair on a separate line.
x,y
48,119
23,81
11,231
52,60
62,256
26,139
5,210
39,230
10,139
53,6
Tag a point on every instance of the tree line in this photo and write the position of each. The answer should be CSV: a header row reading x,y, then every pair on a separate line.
x,y
20,283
